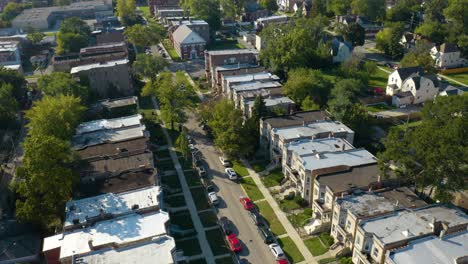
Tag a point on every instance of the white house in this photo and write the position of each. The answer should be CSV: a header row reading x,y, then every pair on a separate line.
x,y
340,50
286,5
447,55
396,79
415,90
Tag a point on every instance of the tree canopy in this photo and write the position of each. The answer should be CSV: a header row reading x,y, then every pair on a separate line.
x,y
73,35
355,34
148,66
435,155
269,5
303,83
143,36
61,83
207,10
419,56
433,30
232,8
374,9
8,105
388,39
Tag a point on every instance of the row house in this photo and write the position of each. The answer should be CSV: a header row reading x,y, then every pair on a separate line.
x,y
10,55
228,81
278,103
113,108
224,71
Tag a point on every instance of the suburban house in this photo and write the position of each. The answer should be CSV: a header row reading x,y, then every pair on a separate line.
x,y
409,39
415,90
107,79
188,43
396,78
340,50
10,55
377,236
450,248
232,59
306,159
447,55
286,5
352,207
370,28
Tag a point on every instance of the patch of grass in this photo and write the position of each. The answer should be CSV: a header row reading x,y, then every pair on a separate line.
x,y
251,189
290,249
226,260
409,125
327,260
461,77
274,178
260,165
182,219
175,201
192,179
288,205
208,219
375,108
268,213
172,52
200,199
226,44
315,246
145,10
239,168
327,239
215,238
378,79
172,181
162,153
191,247
165,165
300,219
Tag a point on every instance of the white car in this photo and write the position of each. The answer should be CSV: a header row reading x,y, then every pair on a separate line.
x,y
277,251
224,161
232,175
213,198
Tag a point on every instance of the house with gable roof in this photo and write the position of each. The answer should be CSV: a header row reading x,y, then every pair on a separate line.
x,y
447,55
188,43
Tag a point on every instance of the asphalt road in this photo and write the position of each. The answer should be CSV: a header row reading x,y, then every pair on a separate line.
x,y
254,249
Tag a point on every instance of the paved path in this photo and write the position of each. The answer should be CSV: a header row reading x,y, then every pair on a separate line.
x,y
451,79
281,216
205,247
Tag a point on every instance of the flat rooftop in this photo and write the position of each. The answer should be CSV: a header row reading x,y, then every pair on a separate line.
x,y
376,203
433,250
78,211
232,52
8,46
113,167
327,160
251,77
186,22
274,100
312,146
255,85
93,66
295,119
119,102
159,249
112,150
312,129
408,223
114,123
232,67
272,18
108,136
116,232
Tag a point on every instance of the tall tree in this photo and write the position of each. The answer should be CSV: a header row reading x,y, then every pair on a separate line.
x,y
433,30
16,80
35,37
61,83
435,155
11,10
419,56
148,66
269,5
73,35
339,7
259,109
125,8
207,10
309,104
374,9
303,83
8,105
388,40
355,34
232,8
182,143
433,9
143,36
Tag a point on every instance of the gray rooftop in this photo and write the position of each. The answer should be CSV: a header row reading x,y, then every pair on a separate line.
x,y
236,66
114,123
295,119
232,52
433,250
93,66
185,35
312,129
108,136
313,146
409,223
272,101
348,158
119,102
251,77
255,85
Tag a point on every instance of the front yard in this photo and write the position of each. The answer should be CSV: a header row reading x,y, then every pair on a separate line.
x,y
267,212
290,249
239,168
378,79
274,178
251,189
320,244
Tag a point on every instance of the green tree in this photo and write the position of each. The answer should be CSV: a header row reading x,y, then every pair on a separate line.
x,y
433,30
270,5
125,8
456,14
55,116
433,9
207,10
73,35
182,143
226,125
344,96
61,83
232,8
309,104
387,40
374,9
419,56
143,36
35,37
354,34
339,7
435,155
259,109
403,11
8,105
11,10
304,83
16,80
148,66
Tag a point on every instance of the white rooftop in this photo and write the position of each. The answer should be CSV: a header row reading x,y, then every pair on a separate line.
x,y
121,231
92,66
312,146
158,250
272,101
404,224
251,77
350,158
433,250
8,46
108,136
115,123
312,129
185,35
367,204
255,85
272,18
187,22
232,52
110,203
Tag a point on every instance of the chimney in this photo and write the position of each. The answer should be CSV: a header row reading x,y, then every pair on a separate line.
x,y
343,147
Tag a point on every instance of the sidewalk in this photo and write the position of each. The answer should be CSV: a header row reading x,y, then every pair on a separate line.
x,y
281,216
451,79
205,247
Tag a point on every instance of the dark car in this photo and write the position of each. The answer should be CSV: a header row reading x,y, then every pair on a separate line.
x,y
201,171
266,234
226,225
256,217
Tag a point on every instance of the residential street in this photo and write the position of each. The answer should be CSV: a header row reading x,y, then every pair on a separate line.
x,y
255,251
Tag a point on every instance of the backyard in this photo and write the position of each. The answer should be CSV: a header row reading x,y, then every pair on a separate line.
x,y
267,212
375,108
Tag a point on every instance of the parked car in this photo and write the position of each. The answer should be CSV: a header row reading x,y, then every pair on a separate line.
x,y
247,203
234,243
214,200
201,171
266,234
226,225
225,161
256,217
276,251
282,261
196,161
231,174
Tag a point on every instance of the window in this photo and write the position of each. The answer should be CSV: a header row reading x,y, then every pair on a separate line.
x,y
375,253
358,240
308,180
307,192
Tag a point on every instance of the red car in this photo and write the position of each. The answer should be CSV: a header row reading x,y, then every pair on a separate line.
x,y
247,203
282,261
234,243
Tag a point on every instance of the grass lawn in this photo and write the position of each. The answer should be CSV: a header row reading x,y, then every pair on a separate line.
x,y
175,201
182,219
226,260
267,212
274,178
192,179
259,166
290,249
251,189
200,199
208,219
315,246
223,45
378,79
171,180
461,77
239,168
145,10
172,52
375,108
191,247
216,241
300,219
327,239
327,260
288,205
409,125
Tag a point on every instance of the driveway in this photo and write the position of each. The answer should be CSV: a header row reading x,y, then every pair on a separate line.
x,y
254,250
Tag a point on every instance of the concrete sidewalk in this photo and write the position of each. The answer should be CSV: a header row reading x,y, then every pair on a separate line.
x,y
205,247
281,216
